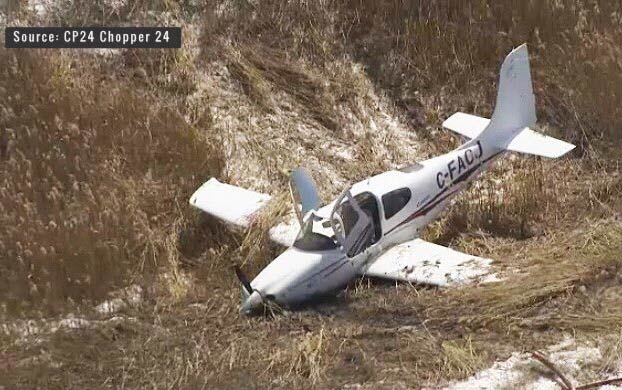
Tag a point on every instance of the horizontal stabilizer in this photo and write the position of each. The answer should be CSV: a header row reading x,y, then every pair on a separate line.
x,y
229,203
468,125
419,261
525,141
529,141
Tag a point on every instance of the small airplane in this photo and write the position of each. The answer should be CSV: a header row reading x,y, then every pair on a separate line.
x,y
371,229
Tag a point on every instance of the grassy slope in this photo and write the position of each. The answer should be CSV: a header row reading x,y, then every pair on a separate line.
x,y
102,151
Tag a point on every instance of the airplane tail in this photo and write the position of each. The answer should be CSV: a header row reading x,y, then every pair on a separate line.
x,y
515,113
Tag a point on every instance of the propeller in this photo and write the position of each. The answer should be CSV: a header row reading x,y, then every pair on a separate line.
x,y
251,299
306,189
243,279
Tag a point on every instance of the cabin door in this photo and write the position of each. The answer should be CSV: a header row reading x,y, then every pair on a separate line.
x,y
352,226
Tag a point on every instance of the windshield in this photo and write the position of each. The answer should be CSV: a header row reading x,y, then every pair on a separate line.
x,y
314,236
315,242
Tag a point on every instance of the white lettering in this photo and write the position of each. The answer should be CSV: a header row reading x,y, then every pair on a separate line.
x,y
32,37
123,38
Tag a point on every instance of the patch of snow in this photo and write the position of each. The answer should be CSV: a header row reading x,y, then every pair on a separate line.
x,y
71,323
27,329
111,306
491,278
339,150
130,296
40,7
515,371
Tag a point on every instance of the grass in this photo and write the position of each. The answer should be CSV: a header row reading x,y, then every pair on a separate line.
x,y
93,181
550,276
100,154
460,358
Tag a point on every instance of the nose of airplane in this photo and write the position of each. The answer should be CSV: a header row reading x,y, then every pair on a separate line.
x,y
251,304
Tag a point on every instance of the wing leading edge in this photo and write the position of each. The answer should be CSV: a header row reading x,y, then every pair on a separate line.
x,y
419,261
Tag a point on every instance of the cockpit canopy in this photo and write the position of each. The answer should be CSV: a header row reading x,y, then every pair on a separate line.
x,y
355,235
367,202
316,235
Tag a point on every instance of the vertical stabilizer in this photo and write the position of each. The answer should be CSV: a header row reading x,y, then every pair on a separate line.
x,y
516,107
516,104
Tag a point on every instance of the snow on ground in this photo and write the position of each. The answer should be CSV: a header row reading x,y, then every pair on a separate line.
x,y
522,371
121,299
34,330
260,145
130,296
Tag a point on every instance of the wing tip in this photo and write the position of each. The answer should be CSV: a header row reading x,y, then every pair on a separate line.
x,y
563,148
568,147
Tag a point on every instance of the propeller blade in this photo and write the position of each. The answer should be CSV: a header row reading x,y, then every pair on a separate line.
x,y
243,279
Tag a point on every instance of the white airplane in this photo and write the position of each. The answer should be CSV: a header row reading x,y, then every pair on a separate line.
x,y
371,229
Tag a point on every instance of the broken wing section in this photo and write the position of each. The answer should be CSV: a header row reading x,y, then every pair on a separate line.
x,y
419,261
229,203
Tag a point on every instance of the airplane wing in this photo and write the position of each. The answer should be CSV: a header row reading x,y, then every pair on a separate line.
x,y
236,206
419,261
229,203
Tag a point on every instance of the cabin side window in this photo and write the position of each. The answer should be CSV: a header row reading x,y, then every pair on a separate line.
x,y
394,201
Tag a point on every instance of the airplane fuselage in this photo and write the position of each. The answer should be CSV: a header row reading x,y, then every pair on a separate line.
x,y
372,228
298,275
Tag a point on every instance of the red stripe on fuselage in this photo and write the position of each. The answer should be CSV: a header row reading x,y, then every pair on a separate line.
x,y
435,201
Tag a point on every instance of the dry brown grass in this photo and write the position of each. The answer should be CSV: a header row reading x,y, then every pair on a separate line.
x,y
256,244
557,270
94,181
265,73
413,48
100,155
